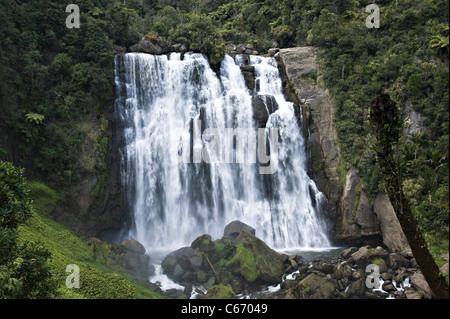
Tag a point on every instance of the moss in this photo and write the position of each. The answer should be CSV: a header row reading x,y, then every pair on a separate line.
x,y
244,261
306,288
377,261
220,292
219,247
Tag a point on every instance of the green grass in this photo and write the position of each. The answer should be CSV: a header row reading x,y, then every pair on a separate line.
x,y
100,276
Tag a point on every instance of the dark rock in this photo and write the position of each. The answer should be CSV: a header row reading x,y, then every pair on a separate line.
x,y
386,276
388,286
178,272
249,76
168,264
202,277
396,261
196,261
346,253
342,271
327,268
383,267
263,106
209,283
357,288
146,46
119,50
133,246
185,262
273,51
203,243
315,286
220,292
233,229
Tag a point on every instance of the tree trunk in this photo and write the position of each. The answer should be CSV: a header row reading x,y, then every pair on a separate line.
x,y
386,123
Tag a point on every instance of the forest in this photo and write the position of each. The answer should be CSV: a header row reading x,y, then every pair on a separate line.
x,y
56,83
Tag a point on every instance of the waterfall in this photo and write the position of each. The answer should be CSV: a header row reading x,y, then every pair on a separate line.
x,y
194,159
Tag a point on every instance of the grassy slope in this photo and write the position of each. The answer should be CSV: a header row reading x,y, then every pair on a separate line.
x,y
100,276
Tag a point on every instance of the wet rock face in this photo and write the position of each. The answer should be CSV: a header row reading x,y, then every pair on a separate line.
x,y
356,221
263,106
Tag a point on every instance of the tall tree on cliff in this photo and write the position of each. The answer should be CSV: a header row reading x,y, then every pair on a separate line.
x,y
386,124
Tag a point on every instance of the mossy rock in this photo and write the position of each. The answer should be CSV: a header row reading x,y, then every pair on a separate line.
x,y
267,260
244,263
220,292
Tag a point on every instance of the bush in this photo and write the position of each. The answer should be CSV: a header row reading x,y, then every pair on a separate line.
x,y
24,270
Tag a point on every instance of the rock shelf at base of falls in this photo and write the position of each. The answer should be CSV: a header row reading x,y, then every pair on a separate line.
x,y
250,269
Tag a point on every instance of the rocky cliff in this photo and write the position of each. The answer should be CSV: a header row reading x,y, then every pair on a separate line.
x,y
355,220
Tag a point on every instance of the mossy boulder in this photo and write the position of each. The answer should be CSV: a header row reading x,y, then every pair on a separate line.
x,y
365,255
244,263
220,292
267,260
315,286
239,259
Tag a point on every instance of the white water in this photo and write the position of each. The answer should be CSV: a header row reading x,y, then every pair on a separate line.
x,y
160,102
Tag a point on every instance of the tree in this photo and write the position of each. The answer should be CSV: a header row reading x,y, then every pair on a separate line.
x,y
386,124
24,271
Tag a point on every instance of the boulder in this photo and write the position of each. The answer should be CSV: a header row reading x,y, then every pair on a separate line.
x,y
135,259
315,286
420,284
346,253
388,286
220,292
133,246
178,265
366,255
410,293
396,261
146,46
273,51
267,260
233,229
168,264
356,288
342,271
392,232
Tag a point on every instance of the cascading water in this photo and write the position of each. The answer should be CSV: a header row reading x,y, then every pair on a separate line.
x,y
179,118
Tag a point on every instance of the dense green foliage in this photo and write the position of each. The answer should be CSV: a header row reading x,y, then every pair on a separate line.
x,y
24,268
56,82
